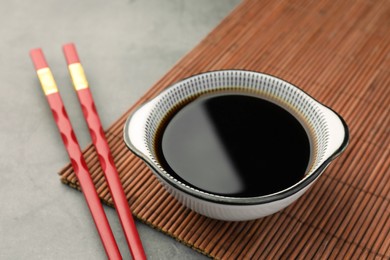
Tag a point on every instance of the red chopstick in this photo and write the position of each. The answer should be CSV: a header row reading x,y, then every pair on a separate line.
x,y
99,140
79,166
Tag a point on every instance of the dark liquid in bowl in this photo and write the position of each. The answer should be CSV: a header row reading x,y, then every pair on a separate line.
x,y
234,145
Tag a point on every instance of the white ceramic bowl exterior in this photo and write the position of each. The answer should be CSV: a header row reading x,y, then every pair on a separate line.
x,y
231,212
327,131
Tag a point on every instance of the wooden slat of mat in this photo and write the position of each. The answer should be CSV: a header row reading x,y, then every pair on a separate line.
x,y
337,51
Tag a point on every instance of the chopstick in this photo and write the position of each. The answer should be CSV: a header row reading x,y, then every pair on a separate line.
x,y
69,139
105,158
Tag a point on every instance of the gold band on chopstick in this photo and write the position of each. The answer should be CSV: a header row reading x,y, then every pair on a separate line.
x,y
78,76
48,83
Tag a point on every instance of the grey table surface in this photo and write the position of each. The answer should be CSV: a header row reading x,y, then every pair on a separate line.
x,y
125,46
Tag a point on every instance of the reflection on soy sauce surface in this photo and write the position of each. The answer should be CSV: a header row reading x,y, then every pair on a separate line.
x,y
234,145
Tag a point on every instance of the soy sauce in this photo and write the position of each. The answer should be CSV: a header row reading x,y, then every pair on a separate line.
x,y
234,145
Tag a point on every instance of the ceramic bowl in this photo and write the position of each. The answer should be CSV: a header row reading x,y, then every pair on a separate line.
x,y
327,131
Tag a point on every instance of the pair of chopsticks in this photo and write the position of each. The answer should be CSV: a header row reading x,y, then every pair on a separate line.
x,y
78,163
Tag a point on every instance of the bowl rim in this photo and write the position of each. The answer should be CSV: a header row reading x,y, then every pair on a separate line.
x,y
229,200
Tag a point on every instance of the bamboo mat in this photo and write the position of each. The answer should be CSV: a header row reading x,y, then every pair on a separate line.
x,y
337,51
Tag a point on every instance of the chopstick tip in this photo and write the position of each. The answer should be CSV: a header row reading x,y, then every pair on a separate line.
x,y
38,58
70,53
